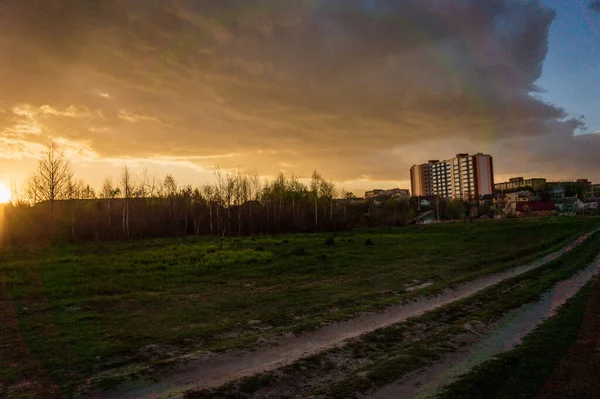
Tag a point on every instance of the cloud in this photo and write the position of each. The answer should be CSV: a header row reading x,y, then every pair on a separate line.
x,y
356,89
132,117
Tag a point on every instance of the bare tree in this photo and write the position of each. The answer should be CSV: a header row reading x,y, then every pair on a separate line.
x,y
127,188
185,196
328,191
74,189
148,185
209,194
242,193
52,179
109,192
315,186
170,187
297,189
255,193
87,192
18,194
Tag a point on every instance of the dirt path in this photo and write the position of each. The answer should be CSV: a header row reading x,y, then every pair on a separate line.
x,y
578,374
507,334
212,370
30,379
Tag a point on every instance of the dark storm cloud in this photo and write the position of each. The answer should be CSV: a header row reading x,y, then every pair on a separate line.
x,y
334,84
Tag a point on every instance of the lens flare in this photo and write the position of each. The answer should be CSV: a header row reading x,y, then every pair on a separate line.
x,y
4,194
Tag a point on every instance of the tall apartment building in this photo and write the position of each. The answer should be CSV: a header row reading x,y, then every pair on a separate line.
x,y
465,176
420,180
441,177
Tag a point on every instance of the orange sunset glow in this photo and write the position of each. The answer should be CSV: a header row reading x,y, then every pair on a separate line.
x,y
359,93
299,198
4,194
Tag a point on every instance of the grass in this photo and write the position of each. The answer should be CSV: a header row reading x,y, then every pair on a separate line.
x,y
485,307
82,309
521,372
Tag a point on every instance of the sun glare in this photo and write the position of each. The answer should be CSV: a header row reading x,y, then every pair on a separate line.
x,y
4,194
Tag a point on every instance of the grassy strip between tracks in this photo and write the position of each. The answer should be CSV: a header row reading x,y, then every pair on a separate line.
x,y
520,373
388,354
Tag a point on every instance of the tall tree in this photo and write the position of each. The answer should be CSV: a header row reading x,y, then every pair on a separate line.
x,y
52,179
170,188
109,192
315,186
127,188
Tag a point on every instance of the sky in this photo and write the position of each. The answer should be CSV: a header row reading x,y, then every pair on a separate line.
x,y
357,89
572,67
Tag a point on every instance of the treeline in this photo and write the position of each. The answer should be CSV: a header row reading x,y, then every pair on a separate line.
x,y
54,207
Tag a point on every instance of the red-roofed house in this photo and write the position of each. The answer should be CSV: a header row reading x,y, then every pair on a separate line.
x,y
536,208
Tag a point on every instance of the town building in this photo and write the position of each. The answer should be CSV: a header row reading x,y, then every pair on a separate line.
x,y
556,192
515,200
465,176
591,205
516,183
568,204
373,193
569,188
394,193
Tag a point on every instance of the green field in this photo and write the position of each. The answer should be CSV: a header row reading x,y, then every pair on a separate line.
x,y
84,309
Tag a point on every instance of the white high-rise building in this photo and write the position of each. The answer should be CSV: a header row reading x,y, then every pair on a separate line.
x,y
466,177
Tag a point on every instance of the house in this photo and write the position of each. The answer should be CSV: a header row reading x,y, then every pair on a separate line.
x,y
535,208
348,201
590,205
568,204
594,190
497,202
511,200
557,193
373,193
